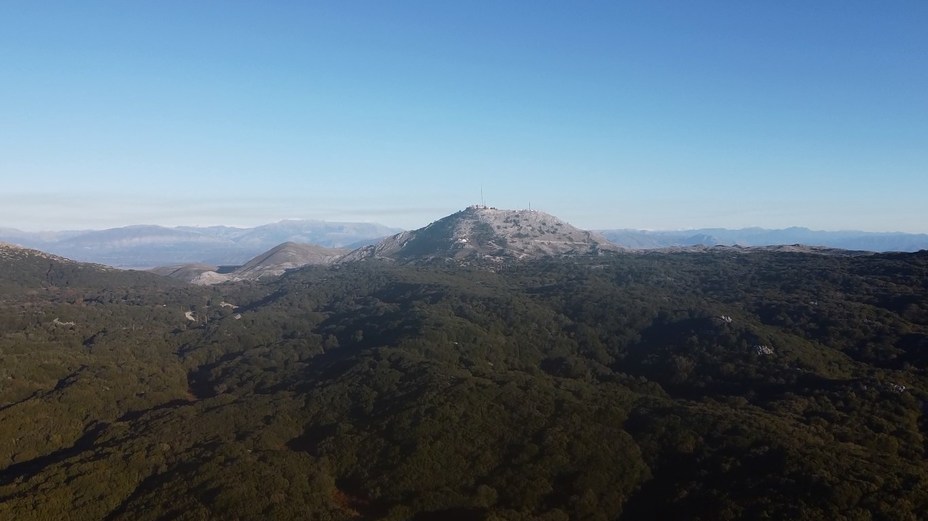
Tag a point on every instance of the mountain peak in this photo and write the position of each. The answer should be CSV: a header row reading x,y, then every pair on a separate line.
x,y
481,232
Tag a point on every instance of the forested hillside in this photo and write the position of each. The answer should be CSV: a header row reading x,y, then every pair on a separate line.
x,y
720,384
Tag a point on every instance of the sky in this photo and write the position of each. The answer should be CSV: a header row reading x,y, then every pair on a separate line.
x,y
608,114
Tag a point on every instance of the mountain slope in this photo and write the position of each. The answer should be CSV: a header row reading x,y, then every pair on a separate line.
x,y
34,269
479,232
622,387
271,263
286,256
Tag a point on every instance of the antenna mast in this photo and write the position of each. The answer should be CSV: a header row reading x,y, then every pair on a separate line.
x,y
483,202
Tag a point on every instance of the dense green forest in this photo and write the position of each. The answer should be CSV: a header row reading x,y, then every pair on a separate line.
x,y
719,384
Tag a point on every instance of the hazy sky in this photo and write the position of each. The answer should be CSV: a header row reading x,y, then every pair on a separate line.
x,y
659,115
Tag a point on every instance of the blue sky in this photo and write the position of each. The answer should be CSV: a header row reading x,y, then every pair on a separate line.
x,y
656,115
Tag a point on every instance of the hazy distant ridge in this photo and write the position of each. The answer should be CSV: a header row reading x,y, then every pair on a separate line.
x,y
146,246
848,240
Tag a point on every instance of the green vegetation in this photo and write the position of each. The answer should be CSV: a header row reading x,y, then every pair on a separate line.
x,y
711,385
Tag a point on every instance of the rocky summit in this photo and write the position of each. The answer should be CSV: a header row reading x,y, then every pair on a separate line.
x,y
480,232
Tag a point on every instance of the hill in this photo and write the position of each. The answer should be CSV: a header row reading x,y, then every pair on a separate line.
x,y
481,233
274,262
26,269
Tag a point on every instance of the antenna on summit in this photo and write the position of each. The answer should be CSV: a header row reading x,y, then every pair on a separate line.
x,y
483,201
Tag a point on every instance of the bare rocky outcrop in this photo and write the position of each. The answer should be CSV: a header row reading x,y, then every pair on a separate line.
x,y
479,232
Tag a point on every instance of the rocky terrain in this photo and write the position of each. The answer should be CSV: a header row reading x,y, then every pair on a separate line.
x,y
479,232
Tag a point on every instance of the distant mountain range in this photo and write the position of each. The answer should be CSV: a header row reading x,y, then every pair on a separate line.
x,y
473,232
149,246
847,240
